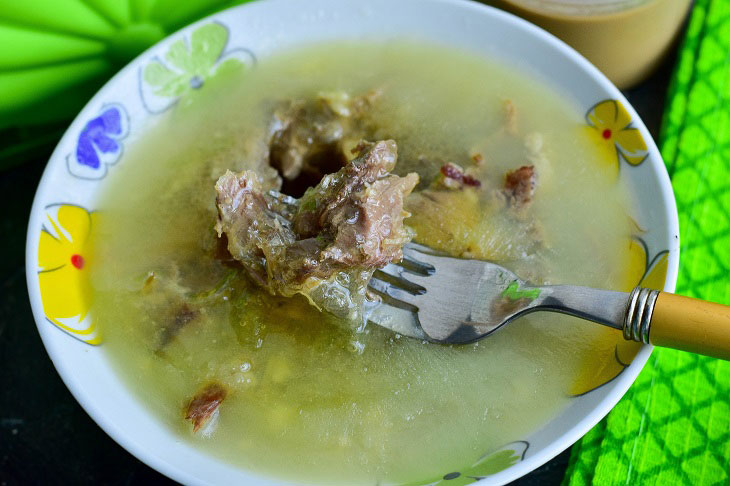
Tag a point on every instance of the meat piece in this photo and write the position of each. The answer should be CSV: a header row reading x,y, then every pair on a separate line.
x,y
204,404
301,135
519,185
308,138
246,215
454,177
360,208
346,226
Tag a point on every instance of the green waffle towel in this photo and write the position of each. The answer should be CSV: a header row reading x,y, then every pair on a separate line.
x,y
673,425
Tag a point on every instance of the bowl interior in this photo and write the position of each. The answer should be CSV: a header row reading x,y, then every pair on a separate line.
x,y
122,109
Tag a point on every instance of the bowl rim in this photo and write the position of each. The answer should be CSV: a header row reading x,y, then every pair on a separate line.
x,y
570,436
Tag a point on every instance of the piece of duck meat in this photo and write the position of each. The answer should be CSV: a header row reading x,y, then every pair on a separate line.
x,y
326,244
255,232
360,208
519,186
202,406
452,176
309,138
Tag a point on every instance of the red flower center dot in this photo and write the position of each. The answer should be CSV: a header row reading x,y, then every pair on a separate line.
x,y
607,133
77,261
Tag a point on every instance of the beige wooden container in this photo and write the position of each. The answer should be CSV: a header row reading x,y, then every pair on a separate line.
x,y
626,39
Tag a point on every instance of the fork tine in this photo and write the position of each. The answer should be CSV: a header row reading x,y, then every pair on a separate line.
x,y
414,266
420,254
394,276
392,295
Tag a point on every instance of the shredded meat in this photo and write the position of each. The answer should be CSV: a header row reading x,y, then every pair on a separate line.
x,y
519,185
454,177
204,403
350,223
254,231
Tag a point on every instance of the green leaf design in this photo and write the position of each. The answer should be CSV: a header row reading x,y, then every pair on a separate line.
x,y
486,466
228,67
494,463
180,57
169,83
206,46
188,63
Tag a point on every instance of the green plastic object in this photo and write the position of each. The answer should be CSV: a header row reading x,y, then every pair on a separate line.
x,y
673,425
56,53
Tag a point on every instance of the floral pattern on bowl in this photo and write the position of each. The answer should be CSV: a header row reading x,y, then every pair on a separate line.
x,y
487,465
177,69
63,266
646,271
99,144
610,125
188,65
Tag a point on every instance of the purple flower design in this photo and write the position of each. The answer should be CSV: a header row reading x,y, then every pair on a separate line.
x,y
97,134
99,143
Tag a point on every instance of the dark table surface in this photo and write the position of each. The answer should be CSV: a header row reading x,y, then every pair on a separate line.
x,y
45,436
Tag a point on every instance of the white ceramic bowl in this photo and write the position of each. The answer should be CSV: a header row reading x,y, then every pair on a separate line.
x,y
116,116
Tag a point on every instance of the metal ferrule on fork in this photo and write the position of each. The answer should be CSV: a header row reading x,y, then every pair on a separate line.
x,y
638,314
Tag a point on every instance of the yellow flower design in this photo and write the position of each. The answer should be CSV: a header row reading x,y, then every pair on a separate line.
x,y
610,126
63,271
612,352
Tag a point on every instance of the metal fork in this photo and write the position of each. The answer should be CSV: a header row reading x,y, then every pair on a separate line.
x,y
453,300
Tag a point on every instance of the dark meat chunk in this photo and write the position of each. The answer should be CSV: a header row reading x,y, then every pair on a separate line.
x,y
519,185
360,208
204,403
326,244
309,138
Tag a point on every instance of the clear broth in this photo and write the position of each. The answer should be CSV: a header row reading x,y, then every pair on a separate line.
x,y
312,398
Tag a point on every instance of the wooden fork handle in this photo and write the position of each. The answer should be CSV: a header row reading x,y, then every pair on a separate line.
x,y
691,325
